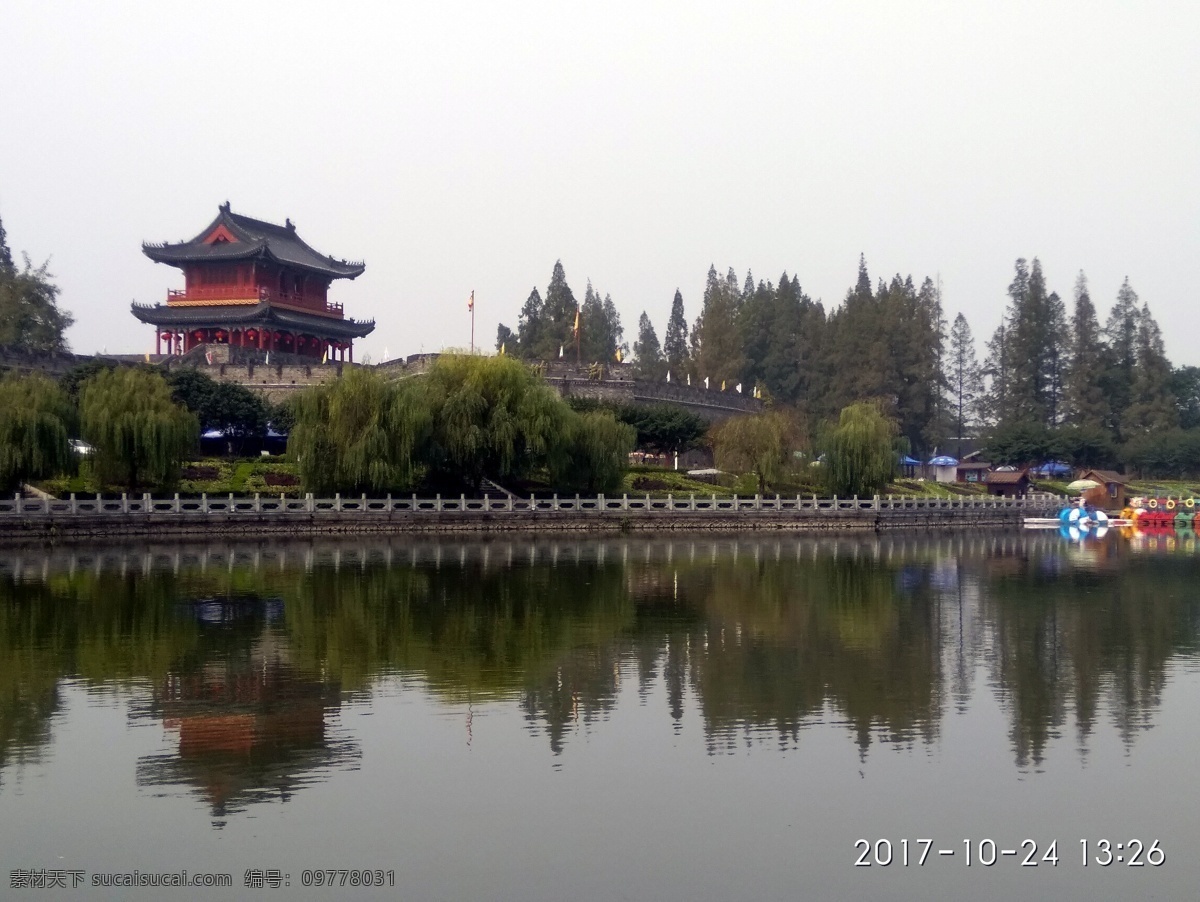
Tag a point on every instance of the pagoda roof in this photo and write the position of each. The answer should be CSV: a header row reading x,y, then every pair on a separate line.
x,y
261,313
232,237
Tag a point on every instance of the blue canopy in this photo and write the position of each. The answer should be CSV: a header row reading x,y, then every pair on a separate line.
x,y
1053,468
943,461
909,461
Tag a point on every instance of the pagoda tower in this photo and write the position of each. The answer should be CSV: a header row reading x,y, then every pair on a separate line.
x,y
255,285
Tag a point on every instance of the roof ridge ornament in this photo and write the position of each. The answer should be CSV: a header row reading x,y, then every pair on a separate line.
x,y
289,225
224,208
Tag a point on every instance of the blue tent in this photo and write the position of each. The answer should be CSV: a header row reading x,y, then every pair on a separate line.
x,y
1052,468
943,460
909,461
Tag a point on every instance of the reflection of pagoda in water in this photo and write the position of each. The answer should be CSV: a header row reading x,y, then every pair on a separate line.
x,y
251,727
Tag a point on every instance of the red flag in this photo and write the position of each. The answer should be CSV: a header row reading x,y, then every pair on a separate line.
x,y
471,302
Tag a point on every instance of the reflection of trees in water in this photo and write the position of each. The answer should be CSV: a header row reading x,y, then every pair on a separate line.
x,y
106,628
29,694
761,636
1074,640
784,639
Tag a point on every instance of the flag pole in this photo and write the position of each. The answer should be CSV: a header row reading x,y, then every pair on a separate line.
x,y
578,359
471,307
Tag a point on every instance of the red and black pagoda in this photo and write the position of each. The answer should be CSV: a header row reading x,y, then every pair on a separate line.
x,y
252,284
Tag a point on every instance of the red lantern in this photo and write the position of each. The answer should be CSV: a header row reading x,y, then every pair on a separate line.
x,y
167,336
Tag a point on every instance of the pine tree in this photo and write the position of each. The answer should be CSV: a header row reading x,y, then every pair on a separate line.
x,y
997,402
781,367
593,339
1153,407
675,342
648,359
733,290
755,321
1086,402
926,345
964,377
811,336
1036,347
615,333
506,341
854,360
530,326
1185,386
558,316
1121,331
862,287
718,346
1057,359
600,331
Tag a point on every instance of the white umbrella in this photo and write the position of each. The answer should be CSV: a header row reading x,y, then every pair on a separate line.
x,y
1082,485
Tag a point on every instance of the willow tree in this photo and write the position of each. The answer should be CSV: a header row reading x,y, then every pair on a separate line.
x,y
489,417
356,434
593,455
757,443
859,457
140,434
35,422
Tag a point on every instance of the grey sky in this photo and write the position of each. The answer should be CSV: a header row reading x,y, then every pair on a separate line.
x,y
460,146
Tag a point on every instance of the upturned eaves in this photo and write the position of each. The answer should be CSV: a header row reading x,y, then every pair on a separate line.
x,y
254,239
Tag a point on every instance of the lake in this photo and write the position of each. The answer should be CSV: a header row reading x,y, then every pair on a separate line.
x,y
867,717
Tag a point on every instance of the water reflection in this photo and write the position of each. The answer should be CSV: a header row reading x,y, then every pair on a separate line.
x,y
249,651
250,726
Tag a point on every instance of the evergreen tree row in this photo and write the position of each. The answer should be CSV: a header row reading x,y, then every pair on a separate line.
x,y
1047,369
1044,368
547,328
883,344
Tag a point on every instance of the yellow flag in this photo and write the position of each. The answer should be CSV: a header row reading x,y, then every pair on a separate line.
x,y
618,355
576,332
471,302
502,349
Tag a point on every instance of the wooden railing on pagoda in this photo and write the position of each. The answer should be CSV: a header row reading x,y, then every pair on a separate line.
x,y
248,293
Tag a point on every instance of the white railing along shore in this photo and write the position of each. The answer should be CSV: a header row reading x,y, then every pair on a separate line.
x,y
309,504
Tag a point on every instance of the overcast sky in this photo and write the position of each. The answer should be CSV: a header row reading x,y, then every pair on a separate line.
x,y
467,146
